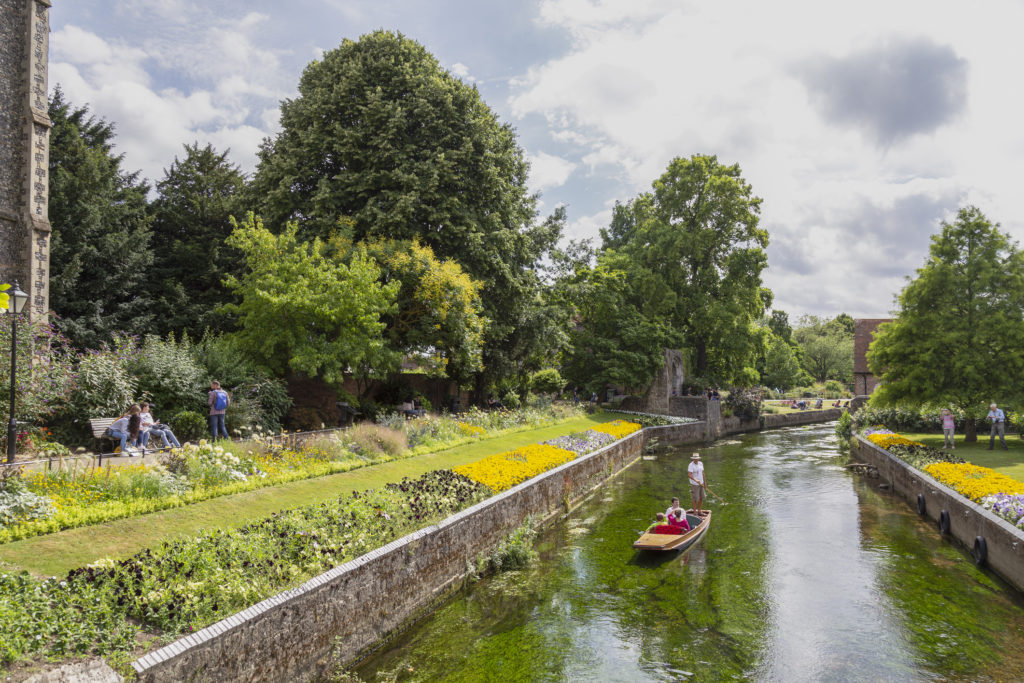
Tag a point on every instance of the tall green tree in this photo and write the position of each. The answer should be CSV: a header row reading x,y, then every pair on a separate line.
x,y
191,223
382,136
826,347
100,246
694,253
304,312
781,368
956,338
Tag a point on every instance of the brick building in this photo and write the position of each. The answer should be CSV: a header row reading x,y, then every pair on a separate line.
x,y
863,334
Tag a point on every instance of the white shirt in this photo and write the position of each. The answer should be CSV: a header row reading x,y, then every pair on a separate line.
x,y
696,472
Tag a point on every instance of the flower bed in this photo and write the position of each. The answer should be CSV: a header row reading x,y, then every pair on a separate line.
x,y
505,470
1009,507
69,497
974,481
582,442
617,428
653,420
183,585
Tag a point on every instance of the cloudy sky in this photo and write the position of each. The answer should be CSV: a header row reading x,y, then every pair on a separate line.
x,y
862,125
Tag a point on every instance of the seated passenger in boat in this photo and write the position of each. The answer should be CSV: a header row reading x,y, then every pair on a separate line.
x,y
679,520
659,519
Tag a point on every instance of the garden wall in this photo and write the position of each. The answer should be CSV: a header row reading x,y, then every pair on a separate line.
x,y
967,519
353,607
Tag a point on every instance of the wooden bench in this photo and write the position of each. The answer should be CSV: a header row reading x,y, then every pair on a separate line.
x,y
99,433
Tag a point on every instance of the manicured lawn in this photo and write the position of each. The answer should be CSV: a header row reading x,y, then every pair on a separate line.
x,y
56,554
1009,462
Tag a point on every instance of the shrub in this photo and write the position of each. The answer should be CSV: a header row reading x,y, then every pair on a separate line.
x,y
744,403
515,551
189,425
844,427
23,506
43,383
367,439
510,400
169,374
547,381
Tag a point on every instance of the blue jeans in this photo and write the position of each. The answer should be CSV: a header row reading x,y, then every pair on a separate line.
x,y
217,424
118,434
166,435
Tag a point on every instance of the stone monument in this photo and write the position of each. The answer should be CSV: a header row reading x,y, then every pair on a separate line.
x,y
24,150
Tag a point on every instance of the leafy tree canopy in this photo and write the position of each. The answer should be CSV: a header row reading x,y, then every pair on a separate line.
x,y
693,254
438,309
381,134
191,223
100,245
826,347
956,337
302,311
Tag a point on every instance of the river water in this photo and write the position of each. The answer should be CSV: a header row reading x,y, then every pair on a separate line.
x,y
809,573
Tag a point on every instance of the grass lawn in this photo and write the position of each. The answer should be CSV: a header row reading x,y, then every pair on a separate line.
x,y
56,554
1009,462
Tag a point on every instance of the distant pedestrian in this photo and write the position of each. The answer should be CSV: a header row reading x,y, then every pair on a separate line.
x,y
218,400
998,420
948,425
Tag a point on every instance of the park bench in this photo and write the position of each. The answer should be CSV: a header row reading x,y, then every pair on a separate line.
x,y
99,432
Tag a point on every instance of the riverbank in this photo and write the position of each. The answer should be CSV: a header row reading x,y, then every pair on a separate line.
x,y
340,614
58,553
993,541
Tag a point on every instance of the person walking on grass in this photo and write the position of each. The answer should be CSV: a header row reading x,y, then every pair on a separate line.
x,y
218,400
948,425
998,419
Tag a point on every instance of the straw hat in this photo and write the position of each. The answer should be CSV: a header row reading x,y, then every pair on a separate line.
x,y
695,456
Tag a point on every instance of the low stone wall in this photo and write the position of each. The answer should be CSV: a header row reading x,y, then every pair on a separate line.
x,y
967,519
345,611
292,636
804,417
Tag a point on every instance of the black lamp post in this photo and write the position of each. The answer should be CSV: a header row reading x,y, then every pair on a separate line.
x,y
15,304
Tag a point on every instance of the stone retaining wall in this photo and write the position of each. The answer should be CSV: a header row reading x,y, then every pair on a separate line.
x,y
345,611
967,519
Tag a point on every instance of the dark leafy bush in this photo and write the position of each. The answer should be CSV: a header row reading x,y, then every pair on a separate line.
x,y
547,381
911,420
189,425
169,376
744,403
844,427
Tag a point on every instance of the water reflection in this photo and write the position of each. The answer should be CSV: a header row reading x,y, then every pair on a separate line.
x,y
808,573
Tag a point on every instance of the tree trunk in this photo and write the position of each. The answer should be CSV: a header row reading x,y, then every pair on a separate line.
x,y
970,432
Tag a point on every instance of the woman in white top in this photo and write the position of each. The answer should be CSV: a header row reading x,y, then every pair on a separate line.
x,y
148,429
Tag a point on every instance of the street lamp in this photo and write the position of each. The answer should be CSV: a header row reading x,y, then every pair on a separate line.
x,y
15,304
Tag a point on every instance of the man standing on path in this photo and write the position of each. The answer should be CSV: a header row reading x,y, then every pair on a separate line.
x,y
218,400
998,420
697,482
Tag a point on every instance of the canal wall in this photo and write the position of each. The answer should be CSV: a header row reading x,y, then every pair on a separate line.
x,y
301,634
967,520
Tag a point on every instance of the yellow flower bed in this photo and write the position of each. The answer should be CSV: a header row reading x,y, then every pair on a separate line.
x,y
886,440
617,428
974,481
83,487
505,470
471,430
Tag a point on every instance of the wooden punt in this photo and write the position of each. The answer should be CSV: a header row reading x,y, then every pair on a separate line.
x,y
698,526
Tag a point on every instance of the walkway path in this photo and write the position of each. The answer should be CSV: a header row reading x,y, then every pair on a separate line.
x,y
56,554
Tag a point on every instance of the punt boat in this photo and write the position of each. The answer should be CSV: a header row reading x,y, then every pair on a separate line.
x,y
652,540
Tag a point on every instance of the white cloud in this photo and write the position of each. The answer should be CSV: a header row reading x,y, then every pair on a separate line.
x,y
548,170
230,94
645,82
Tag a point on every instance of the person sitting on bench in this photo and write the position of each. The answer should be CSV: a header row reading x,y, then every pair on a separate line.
x,y
151,427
